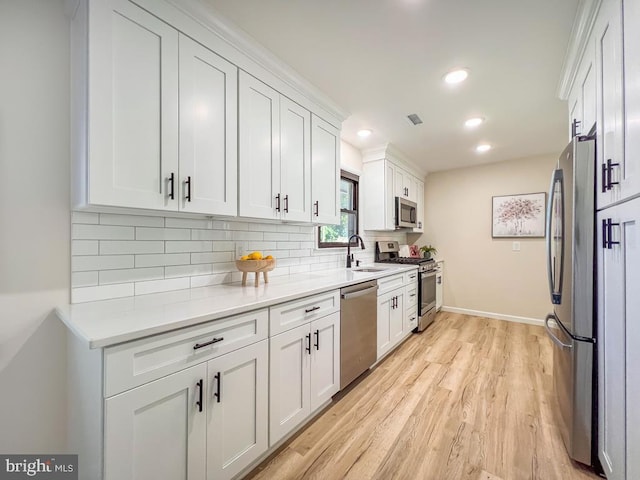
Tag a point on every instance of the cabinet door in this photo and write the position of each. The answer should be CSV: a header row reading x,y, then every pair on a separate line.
x,y
325,172
295,161
133,119
157,431
420,207
259,151
237,410
609,87
325,359
400,188
588,89
630,173
385,303
389,196
289,381
619,334
397,318
208,131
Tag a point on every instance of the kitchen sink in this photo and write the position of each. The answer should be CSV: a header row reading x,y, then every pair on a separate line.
x,y
367,269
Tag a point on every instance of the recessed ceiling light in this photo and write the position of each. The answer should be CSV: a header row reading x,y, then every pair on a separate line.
x,y
474,122
364,133
483,147
456,76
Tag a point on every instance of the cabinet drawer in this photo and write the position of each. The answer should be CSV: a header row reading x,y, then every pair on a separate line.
x,y
289,315
411,278
135,363
386,284
412,295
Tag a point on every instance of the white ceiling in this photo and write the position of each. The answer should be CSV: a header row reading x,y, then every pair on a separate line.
x,y
384,59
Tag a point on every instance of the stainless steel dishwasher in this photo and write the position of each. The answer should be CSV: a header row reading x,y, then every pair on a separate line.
x,y
358,330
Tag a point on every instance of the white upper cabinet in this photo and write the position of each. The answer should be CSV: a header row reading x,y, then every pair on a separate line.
x,y
610,115
325,172
162,116
420,207
259,151
208,137
582,98
275,154
629,173
383,181
405,184
163,120
295,161
132,143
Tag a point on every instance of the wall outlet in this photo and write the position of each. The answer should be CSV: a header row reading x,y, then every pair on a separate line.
x,y
241,249
515,246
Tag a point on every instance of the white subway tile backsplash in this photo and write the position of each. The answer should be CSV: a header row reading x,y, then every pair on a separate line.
x,y
211,257
85,217
119,255
131,275
188,270
188,246
248,236
108,247
155,286
84,279
228,225
147,233
222,246
211,235
102,292
288,228
101,232
277,236
162,259
131,220
84,247
96,262
187,222
215,279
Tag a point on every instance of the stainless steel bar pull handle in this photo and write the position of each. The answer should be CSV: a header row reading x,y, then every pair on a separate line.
x,y
218,380
206,344
200,387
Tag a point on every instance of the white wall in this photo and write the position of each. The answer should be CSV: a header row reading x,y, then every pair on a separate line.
x,y
34,224
483,273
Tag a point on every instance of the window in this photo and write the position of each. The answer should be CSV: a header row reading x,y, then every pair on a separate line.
x,y
338,235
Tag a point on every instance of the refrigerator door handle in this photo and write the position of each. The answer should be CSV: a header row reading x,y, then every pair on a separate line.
x,y
555,278
555,339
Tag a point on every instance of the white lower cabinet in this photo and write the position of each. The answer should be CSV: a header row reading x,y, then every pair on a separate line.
x,y
391,315
304,373
158,431
237,410
208,421
619,327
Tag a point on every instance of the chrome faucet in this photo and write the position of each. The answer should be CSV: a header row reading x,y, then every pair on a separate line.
x,y
349,254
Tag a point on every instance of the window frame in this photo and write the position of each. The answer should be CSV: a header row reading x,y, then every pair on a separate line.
x,y
355,179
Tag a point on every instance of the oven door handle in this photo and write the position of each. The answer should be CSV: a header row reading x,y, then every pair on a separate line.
x,y
432,273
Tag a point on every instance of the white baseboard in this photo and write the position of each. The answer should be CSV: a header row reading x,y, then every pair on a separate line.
x,y
497,316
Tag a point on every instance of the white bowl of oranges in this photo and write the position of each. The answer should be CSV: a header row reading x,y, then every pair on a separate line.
x,y
255,262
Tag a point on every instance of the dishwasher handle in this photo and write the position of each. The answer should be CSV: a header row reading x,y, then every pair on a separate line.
x,y
359,293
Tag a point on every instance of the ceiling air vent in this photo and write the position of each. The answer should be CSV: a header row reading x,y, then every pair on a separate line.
x,y
414,118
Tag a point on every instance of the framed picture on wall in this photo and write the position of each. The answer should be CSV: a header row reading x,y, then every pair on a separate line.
x,y
519,215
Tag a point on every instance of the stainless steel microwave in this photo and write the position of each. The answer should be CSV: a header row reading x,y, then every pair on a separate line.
x,y
406,214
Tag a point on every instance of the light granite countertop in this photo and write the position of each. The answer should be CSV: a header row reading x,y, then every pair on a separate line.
x,y
109,322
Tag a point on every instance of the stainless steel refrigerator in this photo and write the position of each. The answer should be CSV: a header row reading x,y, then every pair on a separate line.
x,y
570,236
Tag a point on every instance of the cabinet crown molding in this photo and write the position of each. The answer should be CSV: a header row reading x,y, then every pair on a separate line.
x,y
208,17
582,26
390,152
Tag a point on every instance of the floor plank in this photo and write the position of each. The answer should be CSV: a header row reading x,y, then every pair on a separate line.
x,y
469,398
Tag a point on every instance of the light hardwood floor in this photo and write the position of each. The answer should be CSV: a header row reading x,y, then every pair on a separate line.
x,y
469,398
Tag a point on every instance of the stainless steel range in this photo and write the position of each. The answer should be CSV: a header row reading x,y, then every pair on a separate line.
x,y
388,252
